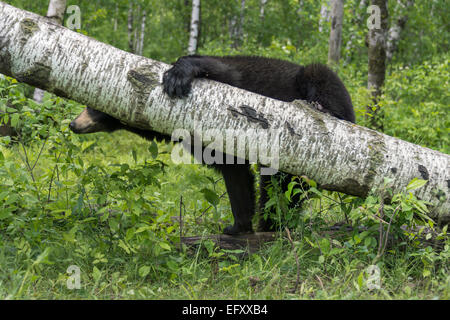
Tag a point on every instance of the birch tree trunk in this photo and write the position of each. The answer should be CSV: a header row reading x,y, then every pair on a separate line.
x,y
262,16
136,30
56,9
377,56
236,30
324,14
262,9
241,23
397,27
232,29
195,21
130,28
116,16
55,13
337,154
142,33
337,17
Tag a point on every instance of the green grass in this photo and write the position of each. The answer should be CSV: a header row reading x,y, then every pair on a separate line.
x,y
109,271
101,202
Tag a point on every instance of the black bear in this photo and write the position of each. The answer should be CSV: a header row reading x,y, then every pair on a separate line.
x,y
273,78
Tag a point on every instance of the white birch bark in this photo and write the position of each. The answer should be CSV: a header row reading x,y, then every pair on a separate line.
x,y
392,40
142,33
236,29
241,21
262,9
324,14
232,28
55,13
130,28
195,21
334,46
116,15
136,30
56,9
394,33
337,154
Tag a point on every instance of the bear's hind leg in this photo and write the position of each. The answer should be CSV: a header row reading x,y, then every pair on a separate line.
x,y
264,224
283,179
239,182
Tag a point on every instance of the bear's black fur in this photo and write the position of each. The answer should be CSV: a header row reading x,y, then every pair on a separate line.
x,y
273,78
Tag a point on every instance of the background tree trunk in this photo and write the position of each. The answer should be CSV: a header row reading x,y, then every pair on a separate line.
x,y
136,29
262,17
237,27
56,9
377,62
116,16
397,27
338,155
195,22
337,16
140,47
262,9
55,12
130,28
324,14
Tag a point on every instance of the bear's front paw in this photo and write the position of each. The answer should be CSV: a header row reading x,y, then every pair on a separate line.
x,y
177,82
235,230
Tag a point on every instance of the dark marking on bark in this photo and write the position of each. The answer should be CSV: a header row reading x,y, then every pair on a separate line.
x,y
233,111
114,109
53,21
27,28
5,57
448,183
424,172
393,170
37,75
354,187
142,79
84,66
251,114
349,186
52,27
291,130
138,78
377,150
143,82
